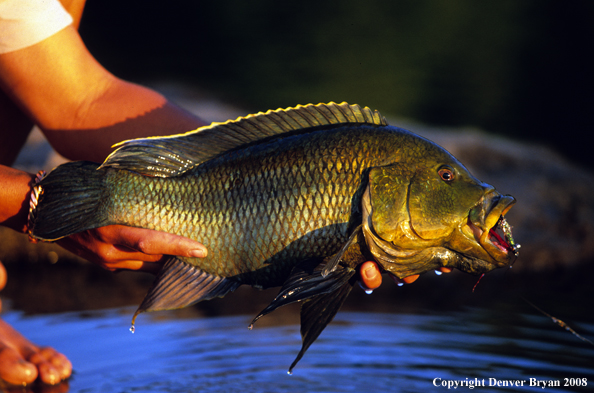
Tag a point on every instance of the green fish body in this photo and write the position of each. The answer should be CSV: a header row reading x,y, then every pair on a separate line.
x,y
294,198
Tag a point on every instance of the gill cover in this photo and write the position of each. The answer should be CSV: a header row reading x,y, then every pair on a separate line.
x,y
388,194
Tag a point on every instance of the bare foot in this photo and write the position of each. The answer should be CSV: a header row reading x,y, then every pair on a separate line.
x,y
22,362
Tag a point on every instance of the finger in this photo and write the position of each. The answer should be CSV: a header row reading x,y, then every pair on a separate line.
x,y
153,242
136,265
2,276
122,260
102,252
116,256
107,255
410,279
405,280
444,269
370,274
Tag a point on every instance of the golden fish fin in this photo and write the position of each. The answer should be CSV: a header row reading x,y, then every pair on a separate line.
x,y
180,284
172,155
306,281
317,313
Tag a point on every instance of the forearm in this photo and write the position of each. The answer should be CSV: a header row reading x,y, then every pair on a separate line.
x,y
81,107
14,194
135,112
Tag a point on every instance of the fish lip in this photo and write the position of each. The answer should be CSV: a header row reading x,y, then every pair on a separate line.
x,y
484,220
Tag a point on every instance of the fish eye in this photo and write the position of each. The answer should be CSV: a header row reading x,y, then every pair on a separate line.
x,y
446,174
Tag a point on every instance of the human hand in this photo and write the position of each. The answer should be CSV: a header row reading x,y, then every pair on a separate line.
x,y
371,276
116,247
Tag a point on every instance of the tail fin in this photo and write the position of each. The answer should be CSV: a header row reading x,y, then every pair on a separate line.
x,y
70,201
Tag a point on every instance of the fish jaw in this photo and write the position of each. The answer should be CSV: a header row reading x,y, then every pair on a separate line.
x,y
488,231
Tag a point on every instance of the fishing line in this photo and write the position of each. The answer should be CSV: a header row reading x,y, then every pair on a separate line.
x,y
559,322
555,320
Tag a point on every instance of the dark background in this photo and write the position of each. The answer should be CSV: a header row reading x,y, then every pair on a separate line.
x,y
523,69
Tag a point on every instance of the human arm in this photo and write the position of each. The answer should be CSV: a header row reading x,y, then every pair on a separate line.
x,y
81,107
83,110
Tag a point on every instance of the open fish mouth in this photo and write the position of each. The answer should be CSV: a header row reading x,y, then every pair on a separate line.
x,y
501,236
491,230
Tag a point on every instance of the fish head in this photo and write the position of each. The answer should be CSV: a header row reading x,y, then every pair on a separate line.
x,y
429,211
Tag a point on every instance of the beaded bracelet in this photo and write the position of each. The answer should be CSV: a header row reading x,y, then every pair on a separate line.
x,y
36,192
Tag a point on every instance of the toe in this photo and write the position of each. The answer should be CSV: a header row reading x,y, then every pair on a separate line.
x,y
48,373
59,361
14,369
53,366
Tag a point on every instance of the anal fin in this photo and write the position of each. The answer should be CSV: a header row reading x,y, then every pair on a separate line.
x,y
180,284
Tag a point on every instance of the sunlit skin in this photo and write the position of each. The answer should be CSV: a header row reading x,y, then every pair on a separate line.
x,y
23,362
83,110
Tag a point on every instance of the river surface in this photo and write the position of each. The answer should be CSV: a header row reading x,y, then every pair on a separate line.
x,y
358,352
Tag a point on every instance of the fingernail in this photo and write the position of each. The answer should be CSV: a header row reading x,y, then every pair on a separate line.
x,y
198,253
370,272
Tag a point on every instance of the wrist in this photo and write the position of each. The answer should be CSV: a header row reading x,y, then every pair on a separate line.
x,y
15,194
36,192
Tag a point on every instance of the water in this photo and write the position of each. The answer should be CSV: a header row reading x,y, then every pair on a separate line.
x,y
358,352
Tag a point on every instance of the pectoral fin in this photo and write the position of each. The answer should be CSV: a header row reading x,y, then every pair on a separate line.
x,y
180,284
317,313
306,281
333,263
322,295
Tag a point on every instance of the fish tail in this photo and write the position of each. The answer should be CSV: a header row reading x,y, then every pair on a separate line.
x,y
70,201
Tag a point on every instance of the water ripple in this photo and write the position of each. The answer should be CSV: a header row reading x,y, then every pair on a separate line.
x,y
359,352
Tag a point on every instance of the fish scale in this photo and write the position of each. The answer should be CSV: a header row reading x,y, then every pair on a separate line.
x,y
251,215
296,198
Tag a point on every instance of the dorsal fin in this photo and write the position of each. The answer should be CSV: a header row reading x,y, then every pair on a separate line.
x,y
172,155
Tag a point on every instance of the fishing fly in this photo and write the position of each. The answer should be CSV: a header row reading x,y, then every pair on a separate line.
x,y
506,228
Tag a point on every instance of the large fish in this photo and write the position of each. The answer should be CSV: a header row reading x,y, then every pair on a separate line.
x,y
296,198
